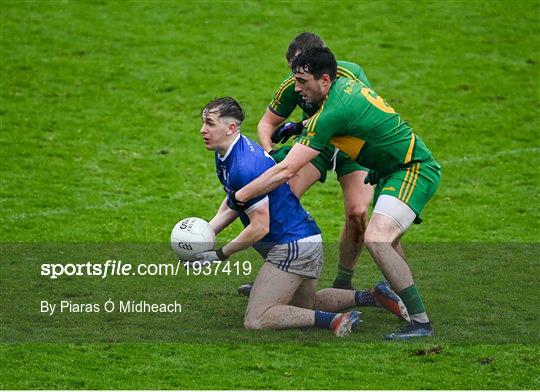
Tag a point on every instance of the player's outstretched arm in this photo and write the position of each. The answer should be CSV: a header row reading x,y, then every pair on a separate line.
x,y
298,157
223,218
268,123
259,226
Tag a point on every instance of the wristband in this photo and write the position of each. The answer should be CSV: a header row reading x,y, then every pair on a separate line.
x,y
220,254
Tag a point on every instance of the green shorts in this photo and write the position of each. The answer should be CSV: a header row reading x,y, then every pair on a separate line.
x,y
324,162
414,185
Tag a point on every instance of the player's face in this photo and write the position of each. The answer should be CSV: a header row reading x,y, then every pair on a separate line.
x,y
213,131
311,89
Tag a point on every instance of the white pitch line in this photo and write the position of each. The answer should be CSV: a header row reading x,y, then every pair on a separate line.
x,y
178,195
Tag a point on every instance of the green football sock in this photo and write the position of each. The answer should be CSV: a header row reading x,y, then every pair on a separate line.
x,y
343,276
412,300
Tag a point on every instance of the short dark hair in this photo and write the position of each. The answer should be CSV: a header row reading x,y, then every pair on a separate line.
x,y
316,61
303,42
225,107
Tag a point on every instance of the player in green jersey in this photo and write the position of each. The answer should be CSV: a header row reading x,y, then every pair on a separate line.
x,y
362,124
357,196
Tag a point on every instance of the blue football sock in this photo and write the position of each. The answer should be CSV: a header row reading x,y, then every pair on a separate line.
x,y
364,298
324,319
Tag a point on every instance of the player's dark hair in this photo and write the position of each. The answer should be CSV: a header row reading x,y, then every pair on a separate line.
x,y
316,61
303,42
225,107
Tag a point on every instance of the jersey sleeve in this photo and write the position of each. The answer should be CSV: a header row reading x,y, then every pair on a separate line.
x,y
321,127
284,101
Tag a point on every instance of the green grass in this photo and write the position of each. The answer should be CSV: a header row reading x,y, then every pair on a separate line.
x,y
285,366
99,143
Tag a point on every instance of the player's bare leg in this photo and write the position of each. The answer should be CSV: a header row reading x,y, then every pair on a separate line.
x,y
356,198
334,300
380,239
268,305
399,248
381,233
304,297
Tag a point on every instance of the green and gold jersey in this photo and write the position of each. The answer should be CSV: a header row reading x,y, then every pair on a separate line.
x,y
286,99
362,124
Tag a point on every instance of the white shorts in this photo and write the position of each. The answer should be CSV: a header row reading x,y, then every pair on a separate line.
x,y
396,210
303,257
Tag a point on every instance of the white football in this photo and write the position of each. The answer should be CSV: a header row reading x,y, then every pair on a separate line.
x,y
191,236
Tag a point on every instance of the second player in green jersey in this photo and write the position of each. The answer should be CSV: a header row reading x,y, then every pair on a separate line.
x,y
356,195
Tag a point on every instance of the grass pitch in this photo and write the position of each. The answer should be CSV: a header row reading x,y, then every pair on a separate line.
x,y
99,124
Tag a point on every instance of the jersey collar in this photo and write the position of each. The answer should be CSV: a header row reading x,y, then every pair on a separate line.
x,y
222,158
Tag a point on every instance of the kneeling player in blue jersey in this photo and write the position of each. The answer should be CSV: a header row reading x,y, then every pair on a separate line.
x,y
277,226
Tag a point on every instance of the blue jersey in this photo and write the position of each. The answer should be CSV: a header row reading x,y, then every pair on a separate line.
x,y
244,161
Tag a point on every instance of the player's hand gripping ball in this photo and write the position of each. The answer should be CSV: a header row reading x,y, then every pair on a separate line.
x,y
191,236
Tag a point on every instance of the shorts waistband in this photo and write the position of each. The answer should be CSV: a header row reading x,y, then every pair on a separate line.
x,y
313,238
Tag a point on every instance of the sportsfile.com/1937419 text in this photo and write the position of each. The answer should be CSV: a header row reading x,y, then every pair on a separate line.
x,y
119,268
